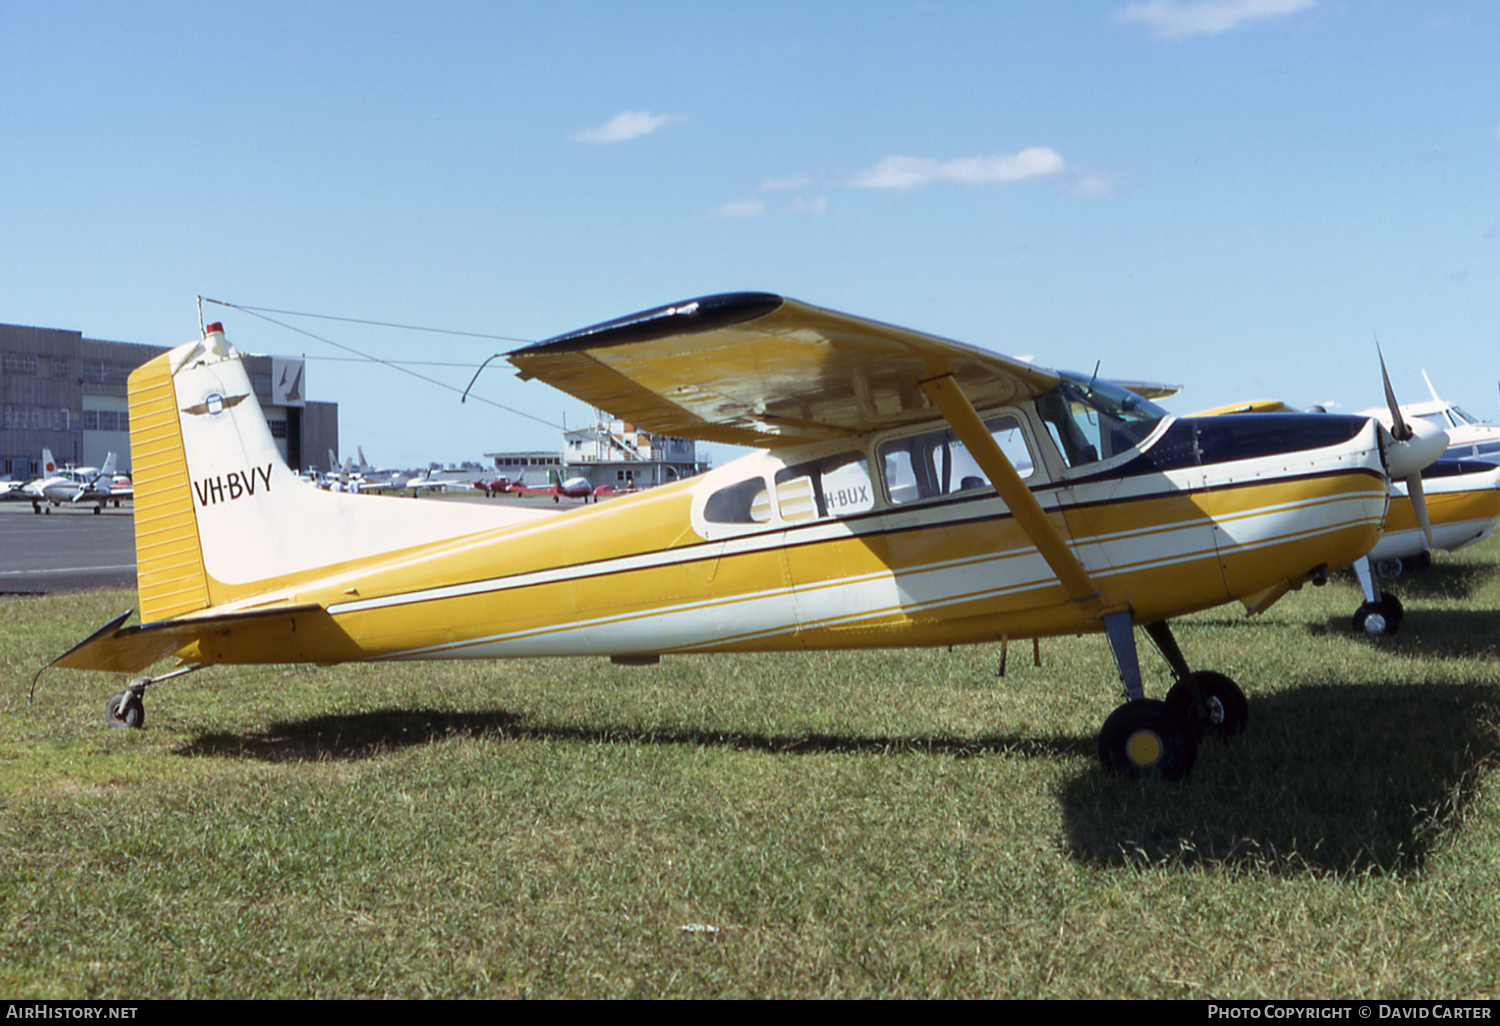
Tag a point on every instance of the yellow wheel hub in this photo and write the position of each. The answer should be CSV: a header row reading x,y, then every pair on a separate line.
x,y
1144,747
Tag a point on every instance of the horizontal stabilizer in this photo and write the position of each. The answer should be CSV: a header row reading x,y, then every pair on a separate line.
x,y
116,649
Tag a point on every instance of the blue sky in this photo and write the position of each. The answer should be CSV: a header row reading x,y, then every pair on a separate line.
x,y
1234,195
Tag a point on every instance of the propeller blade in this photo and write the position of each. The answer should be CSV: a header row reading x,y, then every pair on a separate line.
x,y
1399,427
1419,505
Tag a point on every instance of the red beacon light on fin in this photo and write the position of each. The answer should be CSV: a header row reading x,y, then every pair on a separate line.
x,y
216,326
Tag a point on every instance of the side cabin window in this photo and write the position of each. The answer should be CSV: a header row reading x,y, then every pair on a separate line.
x,y
746,502
1094,420
832,486
937,463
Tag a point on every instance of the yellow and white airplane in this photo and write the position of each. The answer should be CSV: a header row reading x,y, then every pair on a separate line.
x,y
1462,501
909,491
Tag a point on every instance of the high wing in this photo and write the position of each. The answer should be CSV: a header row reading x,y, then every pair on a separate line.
x,y
750,368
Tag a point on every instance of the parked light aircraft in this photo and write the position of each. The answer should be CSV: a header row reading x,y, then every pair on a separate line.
x,y
1468,437
1463,503
73,486
376,477
572,488
908,491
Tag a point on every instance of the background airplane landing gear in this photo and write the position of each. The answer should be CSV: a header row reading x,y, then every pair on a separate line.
x,y
1382,616
125,709
1147,738
1223,712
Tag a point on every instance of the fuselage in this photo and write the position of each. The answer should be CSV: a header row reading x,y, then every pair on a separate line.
x,y
858,544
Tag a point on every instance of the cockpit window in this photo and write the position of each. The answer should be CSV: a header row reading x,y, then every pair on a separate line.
x,y
1092,420
937,463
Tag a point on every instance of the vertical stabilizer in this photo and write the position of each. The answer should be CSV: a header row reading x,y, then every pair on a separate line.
x,y
220,518
169,562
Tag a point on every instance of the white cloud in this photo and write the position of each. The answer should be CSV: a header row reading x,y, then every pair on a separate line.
x,y
911,172
626,125
742,208
1174,18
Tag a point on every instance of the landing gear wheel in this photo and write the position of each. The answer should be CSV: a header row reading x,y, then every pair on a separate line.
x,y
1146,738
125,709
1379,617
1224,712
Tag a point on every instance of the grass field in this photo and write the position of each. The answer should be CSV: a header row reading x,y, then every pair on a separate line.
x,y
886,824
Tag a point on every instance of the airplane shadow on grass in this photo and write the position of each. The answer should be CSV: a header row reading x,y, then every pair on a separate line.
x,y
1329,779
364,735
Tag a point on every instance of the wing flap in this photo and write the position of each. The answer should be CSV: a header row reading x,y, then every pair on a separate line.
x,y
762,370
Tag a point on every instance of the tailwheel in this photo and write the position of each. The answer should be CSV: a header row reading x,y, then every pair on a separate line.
x,y
1217,709
1383,616
125,710
1146,738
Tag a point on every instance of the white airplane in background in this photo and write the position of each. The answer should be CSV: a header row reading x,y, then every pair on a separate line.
x,y
73,486
1469,438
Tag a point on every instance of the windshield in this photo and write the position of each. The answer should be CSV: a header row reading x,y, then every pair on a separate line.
x,y
1092,420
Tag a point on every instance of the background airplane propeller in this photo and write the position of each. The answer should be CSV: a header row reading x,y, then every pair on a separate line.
x,y
1420,444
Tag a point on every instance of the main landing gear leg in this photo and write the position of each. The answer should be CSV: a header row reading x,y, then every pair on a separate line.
x,y
127,709
1144,737
1214,703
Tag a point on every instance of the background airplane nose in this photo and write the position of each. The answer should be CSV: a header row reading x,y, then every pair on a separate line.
x,y
1407,457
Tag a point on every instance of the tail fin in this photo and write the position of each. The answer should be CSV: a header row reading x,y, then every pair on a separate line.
x,y
219,515
49,465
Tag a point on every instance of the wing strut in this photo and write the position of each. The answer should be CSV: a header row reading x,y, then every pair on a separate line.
x,y
970,429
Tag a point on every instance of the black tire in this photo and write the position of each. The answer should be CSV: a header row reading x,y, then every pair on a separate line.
x,y
1387,609
1147,739
125,710
1225,710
